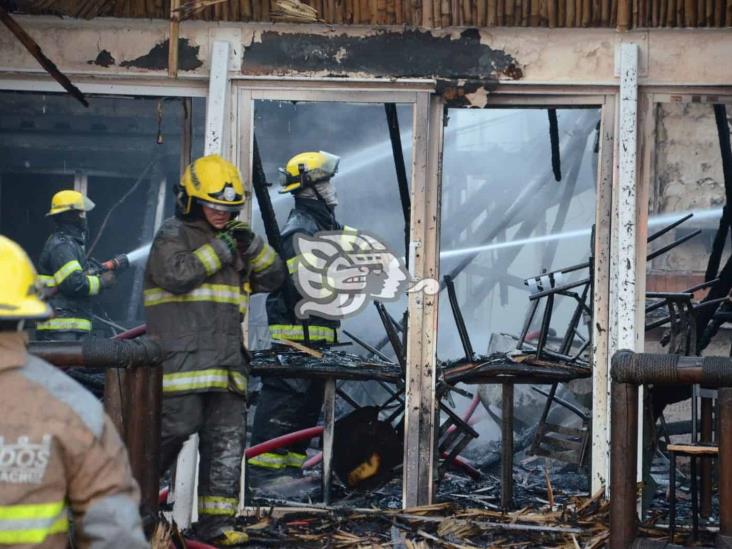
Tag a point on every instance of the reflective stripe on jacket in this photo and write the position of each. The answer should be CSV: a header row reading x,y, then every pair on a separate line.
x,y
296,332
63,265
61,460
195,293
272,460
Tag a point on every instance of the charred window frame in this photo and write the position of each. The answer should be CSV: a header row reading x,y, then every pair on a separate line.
x,y
604,98
651,101
426,189
427,117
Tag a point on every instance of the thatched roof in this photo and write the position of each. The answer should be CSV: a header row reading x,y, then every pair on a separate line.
x,y
623,14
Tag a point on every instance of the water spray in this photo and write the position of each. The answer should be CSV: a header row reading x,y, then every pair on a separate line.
x,y
139,254
663,219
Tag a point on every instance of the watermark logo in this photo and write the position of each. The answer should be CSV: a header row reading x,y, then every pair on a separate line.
x,y
24,461
338,273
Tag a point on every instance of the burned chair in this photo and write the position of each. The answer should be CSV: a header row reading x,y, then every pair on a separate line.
x,y
453,434
681,339
553,440
566,443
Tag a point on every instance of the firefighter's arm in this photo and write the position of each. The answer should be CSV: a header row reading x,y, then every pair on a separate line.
x,y
104,496
68,274
291,258
178,269
267,268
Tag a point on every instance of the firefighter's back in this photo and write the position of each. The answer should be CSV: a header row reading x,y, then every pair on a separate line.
x,y
61,460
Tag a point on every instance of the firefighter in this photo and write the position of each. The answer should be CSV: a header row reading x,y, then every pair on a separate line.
x,y
287,405
61,459
203,265
66,271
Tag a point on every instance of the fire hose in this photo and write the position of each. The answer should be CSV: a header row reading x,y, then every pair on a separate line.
x,y
118,263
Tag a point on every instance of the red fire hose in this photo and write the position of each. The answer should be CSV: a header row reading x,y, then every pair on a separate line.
x,y
469,412
132,333
284,440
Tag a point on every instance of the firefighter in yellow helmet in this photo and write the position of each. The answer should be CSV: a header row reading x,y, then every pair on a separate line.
x,y
70,277
202,266
287,405
61,456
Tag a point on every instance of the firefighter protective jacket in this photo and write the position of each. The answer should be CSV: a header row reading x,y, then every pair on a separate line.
x,y
195,295
63,265
60,457
309,216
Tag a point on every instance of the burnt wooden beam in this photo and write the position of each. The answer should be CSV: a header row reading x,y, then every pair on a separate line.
x,y
35,50
554,141
173,39
392,120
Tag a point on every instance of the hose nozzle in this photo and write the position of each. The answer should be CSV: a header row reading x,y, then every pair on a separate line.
x,y
118,263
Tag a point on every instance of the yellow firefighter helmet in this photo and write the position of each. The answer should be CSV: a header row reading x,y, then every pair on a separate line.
x,y
306,169
213,182
65,201
20,290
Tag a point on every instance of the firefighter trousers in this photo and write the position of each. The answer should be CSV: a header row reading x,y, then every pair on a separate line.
x,y
285,406
219,418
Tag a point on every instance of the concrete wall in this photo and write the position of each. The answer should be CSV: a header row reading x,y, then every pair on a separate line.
x,y
688,176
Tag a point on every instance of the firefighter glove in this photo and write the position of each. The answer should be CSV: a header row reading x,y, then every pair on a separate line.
x,y
228,239
241,233
107,279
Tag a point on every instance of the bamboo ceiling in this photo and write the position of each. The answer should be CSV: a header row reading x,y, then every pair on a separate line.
x,y
623,14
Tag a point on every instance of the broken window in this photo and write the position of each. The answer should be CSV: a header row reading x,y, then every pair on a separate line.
x,y
688,279
687,194
123,152
518,207
366,182
349,273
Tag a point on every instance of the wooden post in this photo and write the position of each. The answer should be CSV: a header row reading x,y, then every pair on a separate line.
x,y
216,125
114,396
623,15
552,12
427,16
142,432
218,92
601,305
623,251
507,447
491,13
420,425
173,39
328,430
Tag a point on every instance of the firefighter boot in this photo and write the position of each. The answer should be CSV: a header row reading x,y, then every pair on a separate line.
x,y
220,531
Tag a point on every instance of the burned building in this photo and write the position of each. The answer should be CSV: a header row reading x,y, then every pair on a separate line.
x,y
534,136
